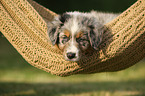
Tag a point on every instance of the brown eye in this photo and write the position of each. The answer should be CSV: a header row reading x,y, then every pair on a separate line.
x,y
83,43
64,39
80,40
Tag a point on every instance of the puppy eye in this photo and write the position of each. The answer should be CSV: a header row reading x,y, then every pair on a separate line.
x,y
84,43
64,39
79,40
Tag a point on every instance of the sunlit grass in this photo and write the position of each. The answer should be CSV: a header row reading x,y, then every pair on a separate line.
x,y
18,78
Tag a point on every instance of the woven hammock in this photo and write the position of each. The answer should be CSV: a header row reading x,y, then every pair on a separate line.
x,y
22,23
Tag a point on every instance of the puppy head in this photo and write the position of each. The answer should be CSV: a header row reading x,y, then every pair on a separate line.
x,y
74,33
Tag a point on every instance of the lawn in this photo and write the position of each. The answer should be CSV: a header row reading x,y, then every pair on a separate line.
x,y
18,78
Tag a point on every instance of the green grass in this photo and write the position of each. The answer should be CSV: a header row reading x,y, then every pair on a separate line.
x,y
18,78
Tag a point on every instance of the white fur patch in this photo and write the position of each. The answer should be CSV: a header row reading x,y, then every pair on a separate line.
x,y
72,48
74,27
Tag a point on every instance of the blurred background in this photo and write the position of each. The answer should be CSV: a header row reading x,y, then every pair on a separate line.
x,y
18,78
60,6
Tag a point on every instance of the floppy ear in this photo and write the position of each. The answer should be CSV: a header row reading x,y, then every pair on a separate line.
x,y
53,35
55,25
95,36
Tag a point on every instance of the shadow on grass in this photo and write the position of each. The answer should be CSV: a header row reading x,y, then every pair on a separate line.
x,y
130,88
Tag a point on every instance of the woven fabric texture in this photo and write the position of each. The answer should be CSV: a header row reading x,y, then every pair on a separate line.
x,y
22,23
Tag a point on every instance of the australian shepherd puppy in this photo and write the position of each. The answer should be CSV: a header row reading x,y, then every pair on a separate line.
x,y
75,32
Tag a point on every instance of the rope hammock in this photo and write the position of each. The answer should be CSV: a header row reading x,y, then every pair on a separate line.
x,y
22,23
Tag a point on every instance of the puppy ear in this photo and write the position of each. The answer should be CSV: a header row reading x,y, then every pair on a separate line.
x,y
55,25
53,35
53,28
95,36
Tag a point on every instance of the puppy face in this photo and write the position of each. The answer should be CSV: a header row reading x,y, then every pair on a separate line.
x,y
72,44
74,33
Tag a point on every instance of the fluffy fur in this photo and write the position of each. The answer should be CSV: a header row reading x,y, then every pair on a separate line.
x,y
75,32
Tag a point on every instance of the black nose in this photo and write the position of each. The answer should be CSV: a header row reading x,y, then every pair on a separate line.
x,y
71,55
